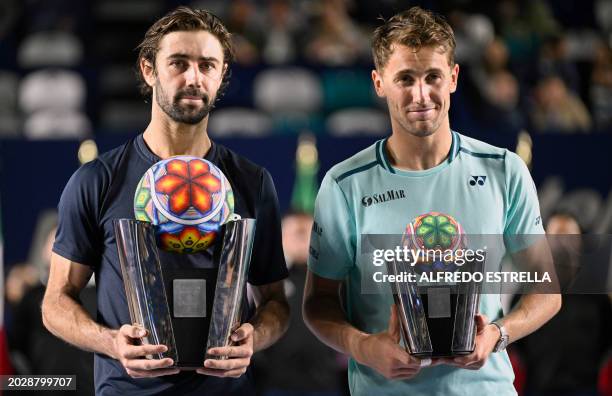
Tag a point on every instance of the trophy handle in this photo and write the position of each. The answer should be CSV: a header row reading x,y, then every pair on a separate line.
x,y
144,285
468,300
234,257
411,313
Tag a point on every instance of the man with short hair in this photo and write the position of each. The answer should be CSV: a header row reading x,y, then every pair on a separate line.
x,y
422,168
183,63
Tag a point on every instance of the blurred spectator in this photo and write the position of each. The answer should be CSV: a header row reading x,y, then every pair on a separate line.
x,y
497,90
503,95
565,244
473,33
601,87
299,364
42,243
562,223
296,237
34,350
246,31
20,279
556,109
522,24
337,40
564,357
494,58
554,60
282,36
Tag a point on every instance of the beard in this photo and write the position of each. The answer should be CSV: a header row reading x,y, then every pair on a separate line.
x,y
181,112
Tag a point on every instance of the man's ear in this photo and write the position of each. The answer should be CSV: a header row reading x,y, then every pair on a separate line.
x,y
378,83
148,72
224,71
454,78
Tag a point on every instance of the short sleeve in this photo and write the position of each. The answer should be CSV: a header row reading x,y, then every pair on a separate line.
x,y
79,237
267,258
523,223
332,241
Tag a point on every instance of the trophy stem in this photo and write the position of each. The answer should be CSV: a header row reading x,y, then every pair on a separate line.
x,y
234,259
144,283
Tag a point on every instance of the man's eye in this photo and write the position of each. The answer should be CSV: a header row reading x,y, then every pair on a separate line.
x,y
434,77
207,66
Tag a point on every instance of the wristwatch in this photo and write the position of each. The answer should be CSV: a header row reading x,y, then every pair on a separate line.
x,y
502,343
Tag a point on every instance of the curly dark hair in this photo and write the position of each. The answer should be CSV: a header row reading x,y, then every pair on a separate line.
x,y
183,19
414,28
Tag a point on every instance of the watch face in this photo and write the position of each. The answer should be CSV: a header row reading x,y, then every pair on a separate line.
x,y
501,344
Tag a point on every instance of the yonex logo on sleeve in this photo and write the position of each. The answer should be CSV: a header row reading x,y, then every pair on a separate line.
x,y
477,180
316,228
314,253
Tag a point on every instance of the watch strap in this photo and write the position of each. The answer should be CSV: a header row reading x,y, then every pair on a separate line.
x,y
503,338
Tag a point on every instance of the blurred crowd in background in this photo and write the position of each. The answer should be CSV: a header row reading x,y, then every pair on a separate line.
x,y
67,66
528,67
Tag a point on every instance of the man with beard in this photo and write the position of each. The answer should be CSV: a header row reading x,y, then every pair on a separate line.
x,y
183,64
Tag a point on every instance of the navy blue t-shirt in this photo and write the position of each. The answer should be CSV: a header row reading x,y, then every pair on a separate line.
x,y
103,190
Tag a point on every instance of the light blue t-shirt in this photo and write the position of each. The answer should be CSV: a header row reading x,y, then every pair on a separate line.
x,y
487,190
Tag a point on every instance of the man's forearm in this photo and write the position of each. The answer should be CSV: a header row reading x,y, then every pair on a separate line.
x,y
530,313
533,310
66,318
270,322
325,318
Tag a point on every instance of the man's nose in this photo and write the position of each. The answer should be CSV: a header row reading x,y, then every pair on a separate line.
x,y
193,76
420,92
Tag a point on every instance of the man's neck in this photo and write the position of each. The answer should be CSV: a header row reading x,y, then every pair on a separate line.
x,y
414,153
167,138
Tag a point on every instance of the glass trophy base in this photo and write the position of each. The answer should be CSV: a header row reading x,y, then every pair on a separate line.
x,y
441,331
190,292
